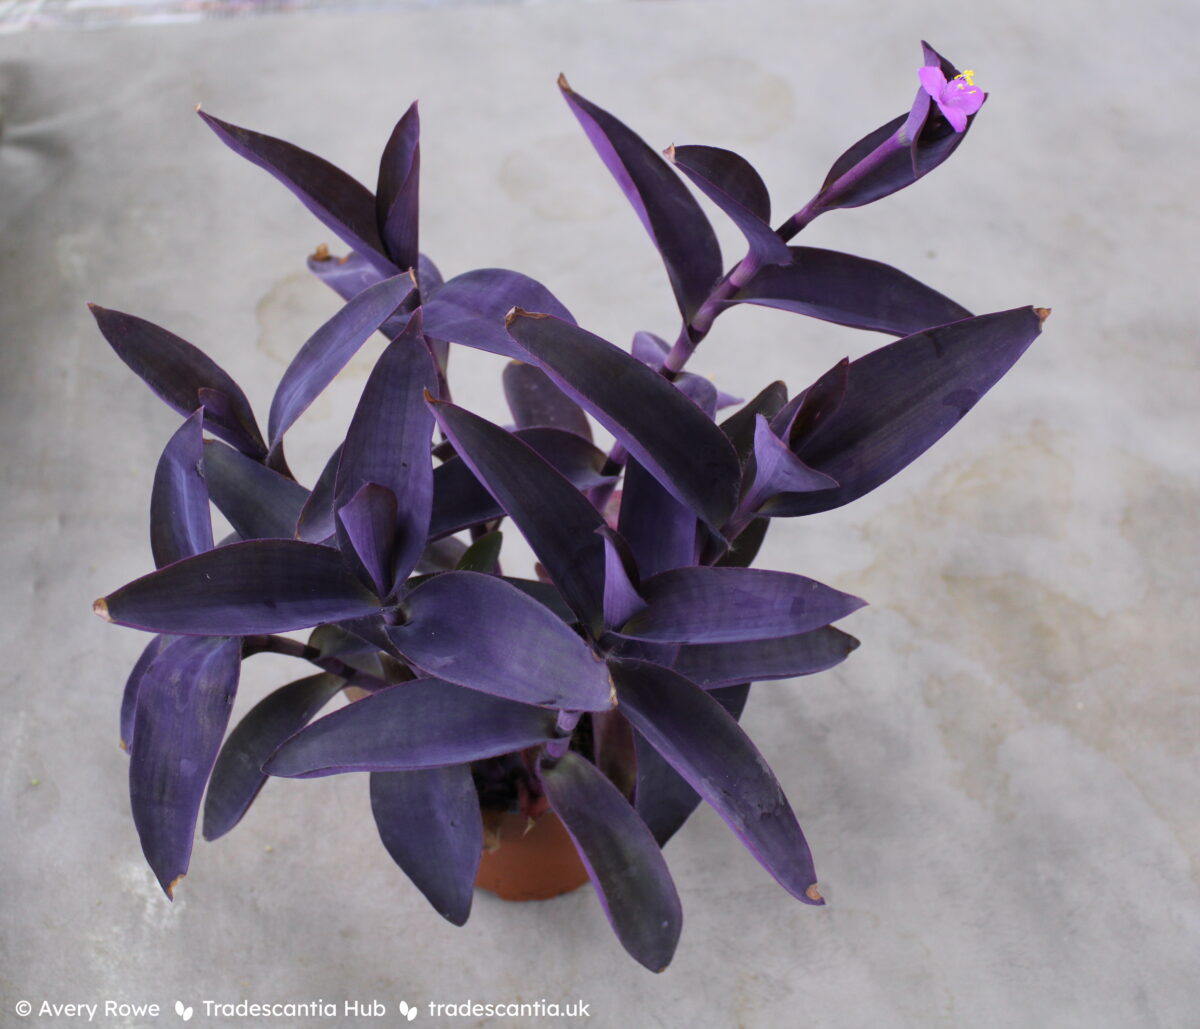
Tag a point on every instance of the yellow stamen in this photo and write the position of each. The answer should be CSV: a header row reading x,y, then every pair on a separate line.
x,y
968,75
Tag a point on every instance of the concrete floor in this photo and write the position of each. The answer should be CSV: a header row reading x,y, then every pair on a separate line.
x,y
1000,785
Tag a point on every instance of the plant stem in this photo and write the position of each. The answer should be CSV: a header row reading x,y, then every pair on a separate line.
x,y
567,720
294,648
695,330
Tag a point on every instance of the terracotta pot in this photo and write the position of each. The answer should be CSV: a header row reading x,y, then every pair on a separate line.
x,y
523,862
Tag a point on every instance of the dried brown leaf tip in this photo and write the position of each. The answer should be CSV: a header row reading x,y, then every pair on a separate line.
x,y
1043,313
100,607
563,84
813,894
492,820
321,253
520,312
175,882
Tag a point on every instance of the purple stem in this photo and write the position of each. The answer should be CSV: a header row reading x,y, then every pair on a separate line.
x,y
567,720
694,331
252,645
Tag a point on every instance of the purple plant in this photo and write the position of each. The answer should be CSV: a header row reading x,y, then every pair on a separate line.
x,y
609,689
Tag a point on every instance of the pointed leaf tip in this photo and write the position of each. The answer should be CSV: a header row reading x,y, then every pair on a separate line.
x,y
563,84
1043,313
173,883
100,607
813,894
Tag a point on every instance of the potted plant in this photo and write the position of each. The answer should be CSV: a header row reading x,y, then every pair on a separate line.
x,y
604,695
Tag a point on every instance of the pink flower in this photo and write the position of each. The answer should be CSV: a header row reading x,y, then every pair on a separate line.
x,y
957,98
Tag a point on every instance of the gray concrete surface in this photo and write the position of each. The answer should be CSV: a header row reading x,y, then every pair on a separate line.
x,y
1000,786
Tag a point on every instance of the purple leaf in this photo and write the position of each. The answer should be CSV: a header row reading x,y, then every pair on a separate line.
x,y
242,589
709,749
460,500
430,823
664,430
849,290
221,410
902,398
667,210
396,198
368,522
316,523
557,520
662,796
470,309
719,605
800,418
183,706
347,276
621,599
424,723
700,391
428,277
133,683
621,856
731,182
342,204
180,522
259,503
329,349
388,443
178,372
237,775
777,470
481,632
660,531
713,665
739,427
613,749
650,349
535,401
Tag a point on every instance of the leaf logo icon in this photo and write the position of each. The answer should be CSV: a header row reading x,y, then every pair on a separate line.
x,y
407,1012
182,1012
